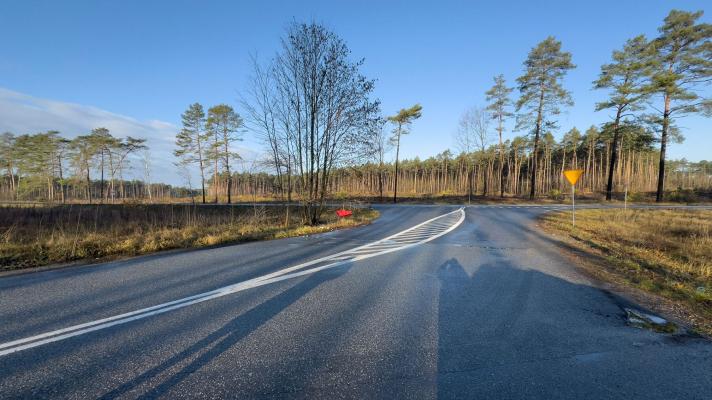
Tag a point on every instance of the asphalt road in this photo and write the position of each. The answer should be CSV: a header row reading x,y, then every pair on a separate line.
x,y
488,309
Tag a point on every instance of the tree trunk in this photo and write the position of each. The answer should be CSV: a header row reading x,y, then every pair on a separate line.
x,y
215,171
380,181
395,177
469,183
663,145
227,167
614,155
88,185
102,177
501,160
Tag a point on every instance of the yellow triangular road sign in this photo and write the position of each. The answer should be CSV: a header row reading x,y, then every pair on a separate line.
x,y
573,175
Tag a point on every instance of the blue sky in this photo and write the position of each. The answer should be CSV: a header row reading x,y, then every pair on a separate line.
x,y
136,65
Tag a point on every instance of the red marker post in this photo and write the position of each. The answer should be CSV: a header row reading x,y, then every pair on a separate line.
x,y
344,213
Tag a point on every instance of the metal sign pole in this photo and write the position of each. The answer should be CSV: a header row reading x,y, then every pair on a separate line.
x,y
573,206
572,176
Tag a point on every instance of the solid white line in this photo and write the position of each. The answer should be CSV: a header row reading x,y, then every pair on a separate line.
x,y
99,321
76,330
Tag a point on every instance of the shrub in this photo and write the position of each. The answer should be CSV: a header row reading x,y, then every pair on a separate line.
x,y
555,194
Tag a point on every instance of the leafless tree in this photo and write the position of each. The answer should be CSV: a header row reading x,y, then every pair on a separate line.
x,y
262,118
314,109
380,146
473,134
146,161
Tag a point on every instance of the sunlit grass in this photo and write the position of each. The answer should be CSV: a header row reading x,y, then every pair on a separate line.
x,y
36,236
668,252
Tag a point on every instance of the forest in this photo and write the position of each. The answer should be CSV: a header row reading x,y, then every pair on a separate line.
x,y
326,137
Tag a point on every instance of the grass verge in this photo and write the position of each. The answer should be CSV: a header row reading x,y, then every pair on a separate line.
x,y
38,236
664,252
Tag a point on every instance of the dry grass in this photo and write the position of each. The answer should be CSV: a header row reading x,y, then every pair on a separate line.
x,y
666,252
36,236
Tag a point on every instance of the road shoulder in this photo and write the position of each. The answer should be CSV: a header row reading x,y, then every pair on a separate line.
x,y
595,265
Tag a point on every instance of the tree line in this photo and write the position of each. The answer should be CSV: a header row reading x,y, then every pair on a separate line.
x,y
311,107
206,141
46,166
650,84
476,173
324,132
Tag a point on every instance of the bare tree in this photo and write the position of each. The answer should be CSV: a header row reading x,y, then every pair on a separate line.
x,y
465,143
261,105
323,108
146,161
184,173
381,146
473,134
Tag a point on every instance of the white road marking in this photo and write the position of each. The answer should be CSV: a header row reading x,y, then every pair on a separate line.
x,y
386,245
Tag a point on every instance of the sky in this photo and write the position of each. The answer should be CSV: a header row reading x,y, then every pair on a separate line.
x,y
135,66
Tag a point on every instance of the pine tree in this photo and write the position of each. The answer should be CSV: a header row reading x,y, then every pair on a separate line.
x,y
83,149
224,125
624,77
542,93
499,105
191,140
683,62
402,122
9,158
104,143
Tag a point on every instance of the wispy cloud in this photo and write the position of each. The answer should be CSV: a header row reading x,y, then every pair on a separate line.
x,y
21,113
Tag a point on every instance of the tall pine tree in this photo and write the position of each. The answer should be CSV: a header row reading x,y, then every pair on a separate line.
x,y
191,140
683,62
499,107
402,122
625,79
224,125
542,93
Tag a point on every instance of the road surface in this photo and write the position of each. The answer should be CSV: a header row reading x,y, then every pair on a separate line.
x,y
455,303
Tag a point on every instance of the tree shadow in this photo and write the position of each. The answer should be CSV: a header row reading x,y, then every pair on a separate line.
x,y
107,300
219,341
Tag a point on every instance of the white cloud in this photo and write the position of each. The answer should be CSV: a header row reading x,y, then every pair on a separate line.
x,y
21,113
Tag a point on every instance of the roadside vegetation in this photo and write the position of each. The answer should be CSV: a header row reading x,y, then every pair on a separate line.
x,y
665,252
35,236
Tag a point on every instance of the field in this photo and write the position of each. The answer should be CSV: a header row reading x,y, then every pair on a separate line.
x,y
665,252
34,236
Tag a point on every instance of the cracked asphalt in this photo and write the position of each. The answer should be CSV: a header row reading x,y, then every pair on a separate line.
x,y
489,310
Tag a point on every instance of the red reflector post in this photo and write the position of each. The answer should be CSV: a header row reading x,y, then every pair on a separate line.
x,y
343,213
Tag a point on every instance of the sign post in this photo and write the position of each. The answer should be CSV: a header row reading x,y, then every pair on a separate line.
x,y
573,176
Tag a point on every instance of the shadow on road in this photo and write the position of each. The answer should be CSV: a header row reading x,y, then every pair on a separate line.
x,y
497,318
220,340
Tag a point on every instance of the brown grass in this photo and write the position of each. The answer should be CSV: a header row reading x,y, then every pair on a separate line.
x,y
42,235
666,252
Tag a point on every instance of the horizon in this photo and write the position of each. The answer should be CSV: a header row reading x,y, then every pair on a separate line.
x,y
81,66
